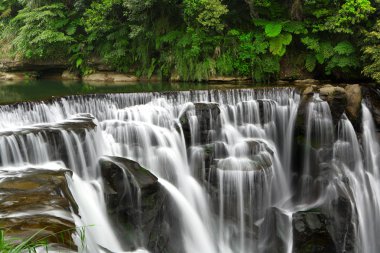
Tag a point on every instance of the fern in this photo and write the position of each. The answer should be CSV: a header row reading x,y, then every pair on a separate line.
x,y
344,48
41,32
310,62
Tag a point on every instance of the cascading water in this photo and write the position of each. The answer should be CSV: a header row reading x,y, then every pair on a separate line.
x,y
226,158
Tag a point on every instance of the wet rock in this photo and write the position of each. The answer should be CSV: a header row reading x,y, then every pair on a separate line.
x,y
137,204
68,75
61,141
78,124
345,224
17,76
261,161
110,77
308,91
336,97
282,82
208,122
274,231
311,233
265,110
11,76
224,79
29,200
372,95
354,100
255,146
330,228
306,82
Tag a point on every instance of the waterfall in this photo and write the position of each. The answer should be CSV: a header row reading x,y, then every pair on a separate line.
x,y
237,178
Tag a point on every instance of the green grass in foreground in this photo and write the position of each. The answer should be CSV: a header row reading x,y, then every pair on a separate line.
x,y
33,243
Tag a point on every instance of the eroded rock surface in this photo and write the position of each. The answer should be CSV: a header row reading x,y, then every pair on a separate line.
x,y
208,121
137,204
37,202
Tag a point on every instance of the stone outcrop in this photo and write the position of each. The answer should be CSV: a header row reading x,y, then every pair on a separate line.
x,y
110,77
35,65
208,122
17,76
273,235
58,139
354,100
326,231
372,95
224,79
79,125
68,75
137,204
29,200
336,97
311,233
306,82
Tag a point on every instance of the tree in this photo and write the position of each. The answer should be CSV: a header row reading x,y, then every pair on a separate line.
x,y
371,51
40,32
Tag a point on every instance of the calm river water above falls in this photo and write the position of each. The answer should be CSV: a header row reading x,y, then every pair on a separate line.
x,y
213,171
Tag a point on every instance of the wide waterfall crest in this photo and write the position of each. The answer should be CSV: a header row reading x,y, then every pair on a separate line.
x,y
229,160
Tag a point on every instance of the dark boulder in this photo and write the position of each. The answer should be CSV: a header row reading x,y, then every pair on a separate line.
x,y
337,99
372,96
208,115
274,231
138,206
311,233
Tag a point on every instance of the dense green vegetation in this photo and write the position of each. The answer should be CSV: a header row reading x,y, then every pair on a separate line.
x,y
196,39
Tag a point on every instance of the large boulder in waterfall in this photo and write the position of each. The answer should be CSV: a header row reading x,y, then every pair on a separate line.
x,y
336,97
275,231
372,96
257,145
332,226
311,233
208,122
265,110
354,100
37,202
256,155
137,204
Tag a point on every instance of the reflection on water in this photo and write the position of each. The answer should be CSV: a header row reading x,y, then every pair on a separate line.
x,y
11,91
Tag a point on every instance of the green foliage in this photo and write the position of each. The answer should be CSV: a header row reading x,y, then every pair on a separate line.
x,y
371,52
205,13
193,39
273,29
254,56
189,55
36,242
341,57
278,44
40,33
338,16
